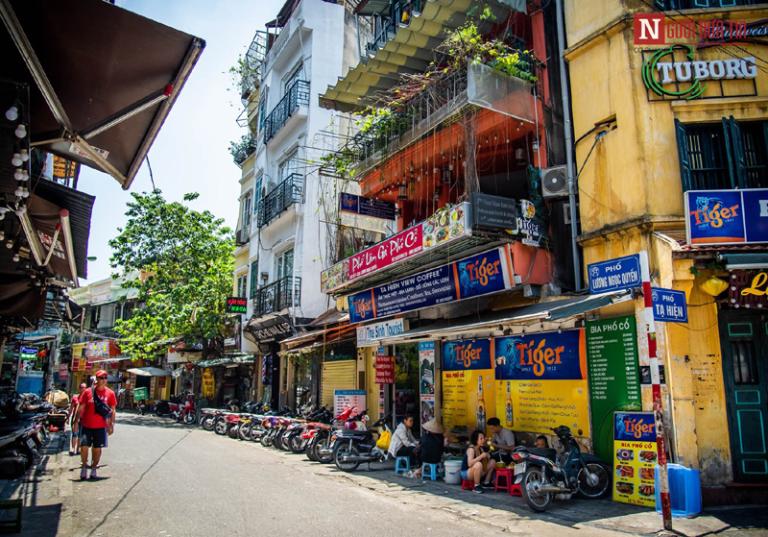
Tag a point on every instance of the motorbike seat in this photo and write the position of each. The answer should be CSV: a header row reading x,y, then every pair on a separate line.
x,y
547,453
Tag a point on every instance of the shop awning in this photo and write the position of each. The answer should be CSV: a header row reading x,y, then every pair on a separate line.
x,y
102,79
543,311
149,372
110,360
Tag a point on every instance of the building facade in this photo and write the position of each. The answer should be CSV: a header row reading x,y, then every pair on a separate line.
x,y
670,130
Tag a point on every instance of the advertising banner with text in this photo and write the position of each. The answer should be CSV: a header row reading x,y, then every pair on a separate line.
x,y
541,381
468,384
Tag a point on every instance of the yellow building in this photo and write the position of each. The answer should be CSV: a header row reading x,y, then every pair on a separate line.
x,y
653,123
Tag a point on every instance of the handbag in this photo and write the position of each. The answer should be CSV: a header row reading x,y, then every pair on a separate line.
x,y
102,408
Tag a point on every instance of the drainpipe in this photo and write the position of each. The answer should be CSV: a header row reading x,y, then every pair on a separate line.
x,y
568,135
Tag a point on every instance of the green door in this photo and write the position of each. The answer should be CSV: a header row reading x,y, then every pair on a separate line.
x,y
744,337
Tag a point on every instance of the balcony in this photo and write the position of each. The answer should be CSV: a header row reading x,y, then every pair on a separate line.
x,y
290,191
277,296
296,96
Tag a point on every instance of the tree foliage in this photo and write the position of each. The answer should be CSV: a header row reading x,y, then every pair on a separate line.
x,y
184,258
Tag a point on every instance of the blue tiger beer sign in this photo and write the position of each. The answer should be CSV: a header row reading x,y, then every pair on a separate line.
x,y
545,356
467,354
726,216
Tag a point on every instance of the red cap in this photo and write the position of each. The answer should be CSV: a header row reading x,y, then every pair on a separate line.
x,y
101,374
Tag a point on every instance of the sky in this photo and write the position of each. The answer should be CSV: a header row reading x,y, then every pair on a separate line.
x,y
190,154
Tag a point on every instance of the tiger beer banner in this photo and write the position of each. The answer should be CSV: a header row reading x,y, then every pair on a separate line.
x,y
468,384
541,381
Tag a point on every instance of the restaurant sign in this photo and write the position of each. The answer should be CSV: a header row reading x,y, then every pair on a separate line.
x,y
481,274
727,216
236,304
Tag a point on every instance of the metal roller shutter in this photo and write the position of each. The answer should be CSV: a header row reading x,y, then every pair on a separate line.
x,y
337,375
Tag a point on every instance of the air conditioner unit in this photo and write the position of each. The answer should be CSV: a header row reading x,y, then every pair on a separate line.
x,y
554,182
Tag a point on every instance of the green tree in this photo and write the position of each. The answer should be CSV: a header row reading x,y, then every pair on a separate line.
x,y
185,261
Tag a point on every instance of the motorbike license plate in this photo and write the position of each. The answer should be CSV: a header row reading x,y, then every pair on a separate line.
x,y
31,443
520,468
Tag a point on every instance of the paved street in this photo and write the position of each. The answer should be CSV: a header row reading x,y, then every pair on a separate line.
x,y
161,479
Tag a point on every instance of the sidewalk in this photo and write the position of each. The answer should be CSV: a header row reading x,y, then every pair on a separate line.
x,y
43,489
511,514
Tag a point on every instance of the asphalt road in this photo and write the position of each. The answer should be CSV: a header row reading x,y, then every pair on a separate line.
x,y
172,481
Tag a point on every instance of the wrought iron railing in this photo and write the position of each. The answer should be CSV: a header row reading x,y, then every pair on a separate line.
x,y
296,96
290,191
277,296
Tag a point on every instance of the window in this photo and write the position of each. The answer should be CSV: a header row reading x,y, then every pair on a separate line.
x,y
262,109
258,191
297,73
288,166
242,285
729,154
698,4
284,265
254,278
246,211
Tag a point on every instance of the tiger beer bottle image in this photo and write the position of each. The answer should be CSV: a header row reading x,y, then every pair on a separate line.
x,y
480,425
509,405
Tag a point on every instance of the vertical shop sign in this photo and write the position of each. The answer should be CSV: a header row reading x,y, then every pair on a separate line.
x,y
384,366
634,460
468,383
209,385
541,381
427,380
614,376
343,399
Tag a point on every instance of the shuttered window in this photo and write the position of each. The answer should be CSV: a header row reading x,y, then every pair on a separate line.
x,y
254,278
729,154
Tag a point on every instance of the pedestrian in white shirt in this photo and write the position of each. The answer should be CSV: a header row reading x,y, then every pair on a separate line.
x,y
403,443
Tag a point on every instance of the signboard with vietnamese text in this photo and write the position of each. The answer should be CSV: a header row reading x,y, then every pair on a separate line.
x,y
366,206
494,212
385,369
614,376
669,306
727,216
427,380
396,248
541,381
634,458
478,275
343,399
614,274
468,395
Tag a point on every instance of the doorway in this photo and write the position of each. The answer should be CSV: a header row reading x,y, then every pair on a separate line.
x,y
407,383
744,341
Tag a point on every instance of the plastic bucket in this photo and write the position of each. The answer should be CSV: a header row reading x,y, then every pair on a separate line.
x,y
452,471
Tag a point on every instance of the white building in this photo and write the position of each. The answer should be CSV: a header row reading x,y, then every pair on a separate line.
x,y
286,205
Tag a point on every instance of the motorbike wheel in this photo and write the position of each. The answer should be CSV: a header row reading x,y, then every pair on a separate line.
x,y
256,433
189,418
537,501
244,431
320,456
295,443
267,439
220,426
602,484
309,451
207,422
345,450
233,431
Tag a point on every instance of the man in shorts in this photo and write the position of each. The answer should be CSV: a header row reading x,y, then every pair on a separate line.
x,y
74,420
94,428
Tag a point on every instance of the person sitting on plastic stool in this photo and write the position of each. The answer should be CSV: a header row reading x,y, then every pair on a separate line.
x,y
476,464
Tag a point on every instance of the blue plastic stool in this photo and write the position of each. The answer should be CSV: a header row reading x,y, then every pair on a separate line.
x,y
429,469
684,490
402,465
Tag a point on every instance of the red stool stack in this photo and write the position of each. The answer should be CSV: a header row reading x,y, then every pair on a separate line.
x,y
515,490
467,484
503,479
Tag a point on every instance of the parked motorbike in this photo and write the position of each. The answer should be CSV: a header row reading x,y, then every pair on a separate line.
x,y
185,412
546,476
326,437
355,446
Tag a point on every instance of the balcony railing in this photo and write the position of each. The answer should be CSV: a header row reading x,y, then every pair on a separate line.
x,y
290,191
296,96
277,296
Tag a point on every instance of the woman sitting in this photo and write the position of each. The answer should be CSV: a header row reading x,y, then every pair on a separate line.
x,y
476,465
432,442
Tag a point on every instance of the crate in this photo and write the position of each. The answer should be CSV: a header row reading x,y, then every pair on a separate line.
x,y
684,490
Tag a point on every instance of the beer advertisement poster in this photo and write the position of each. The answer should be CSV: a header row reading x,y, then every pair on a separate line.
x,y
468,394
541,381
634,458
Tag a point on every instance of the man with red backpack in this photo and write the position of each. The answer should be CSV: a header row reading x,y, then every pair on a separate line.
x,y
97,421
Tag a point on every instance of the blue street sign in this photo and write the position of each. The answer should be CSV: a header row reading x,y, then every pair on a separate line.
x,y
615,274
669,306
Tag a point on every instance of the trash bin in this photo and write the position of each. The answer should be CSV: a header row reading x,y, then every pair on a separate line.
x,y
684,490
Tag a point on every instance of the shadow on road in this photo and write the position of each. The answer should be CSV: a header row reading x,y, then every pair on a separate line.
x,y
149,420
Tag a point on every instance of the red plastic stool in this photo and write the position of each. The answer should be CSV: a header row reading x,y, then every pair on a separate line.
x,y
503,479
467,484
515,490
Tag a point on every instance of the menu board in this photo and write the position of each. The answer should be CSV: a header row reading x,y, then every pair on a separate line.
x,y
614,381
468,395
634,458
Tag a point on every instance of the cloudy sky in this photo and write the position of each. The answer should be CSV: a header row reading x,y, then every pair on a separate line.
x,y
190,153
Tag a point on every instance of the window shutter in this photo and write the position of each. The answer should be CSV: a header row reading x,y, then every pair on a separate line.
x,y
254,278
682,152
735,149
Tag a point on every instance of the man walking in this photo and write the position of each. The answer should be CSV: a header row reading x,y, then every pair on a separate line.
x,y
97,420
